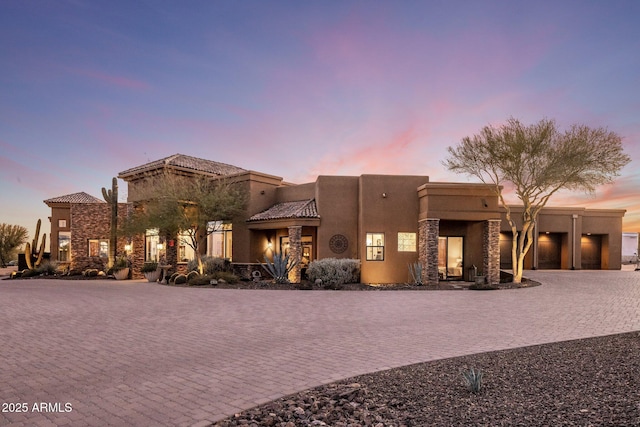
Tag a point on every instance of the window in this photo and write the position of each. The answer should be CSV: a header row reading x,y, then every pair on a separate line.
x,y
185,251
151,243
375,246
64,246
406,242
99,248
219,240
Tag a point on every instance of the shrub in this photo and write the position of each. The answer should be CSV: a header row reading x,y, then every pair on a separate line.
x,y
91,272
334,271
29,273
120,263
149,267
48,268
180,279
192,275
473,380
172,279
280,267
415,272
210,265
227,277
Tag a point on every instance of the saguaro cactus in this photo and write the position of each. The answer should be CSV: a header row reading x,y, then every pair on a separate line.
x,y
34,259
111,197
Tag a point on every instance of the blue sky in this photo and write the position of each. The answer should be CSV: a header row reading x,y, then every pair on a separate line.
x,y
297,89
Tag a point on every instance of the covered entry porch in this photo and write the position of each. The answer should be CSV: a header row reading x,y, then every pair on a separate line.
x,y
288,228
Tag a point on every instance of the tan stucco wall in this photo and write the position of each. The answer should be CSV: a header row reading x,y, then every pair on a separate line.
x,y
388,204
337,202
560,220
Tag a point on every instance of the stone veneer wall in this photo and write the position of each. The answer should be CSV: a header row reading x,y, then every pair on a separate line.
x,y
92,221
295,253
428,233
491,251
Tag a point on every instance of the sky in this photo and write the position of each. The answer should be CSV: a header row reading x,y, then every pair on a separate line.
x,y
299,89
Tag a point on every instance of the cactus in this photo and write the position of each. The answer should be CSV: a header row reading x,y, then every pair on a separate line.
x,y
34,259
111,197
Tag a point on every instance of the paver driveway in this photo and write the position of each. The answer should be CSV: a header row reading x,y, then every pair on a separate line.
x,y
132,353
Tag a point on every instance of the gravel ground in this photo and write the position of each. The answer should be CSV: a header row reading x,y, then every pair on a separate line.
x,y
588,382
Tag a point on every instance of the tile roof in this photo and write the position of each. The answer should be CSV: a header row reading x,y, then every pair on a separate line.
x,y
81,197
185,162
288,210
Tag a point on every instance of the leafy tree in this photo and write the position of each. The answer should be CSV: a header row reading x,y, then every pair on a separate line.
x,y
11,237
176,204
537,161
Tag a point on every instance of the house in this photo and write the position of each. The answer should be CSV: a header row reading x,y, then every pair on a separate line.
x,y
385,221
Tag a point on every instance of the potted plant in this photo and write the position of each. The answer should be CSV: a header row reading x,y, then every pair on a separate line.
x,y
151,271
121,268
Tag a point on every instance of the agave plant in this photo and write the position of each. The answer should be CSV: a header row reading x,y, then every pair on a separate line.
x,y
473,379
280,267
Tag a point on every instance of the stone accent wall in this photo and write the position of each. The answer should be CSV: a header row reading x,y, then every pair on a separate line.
x,y
295,252
428,233
491,251
92,221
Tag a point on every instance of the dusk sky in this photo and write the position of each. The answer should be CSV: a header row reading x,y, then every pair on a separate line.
x,y
300,88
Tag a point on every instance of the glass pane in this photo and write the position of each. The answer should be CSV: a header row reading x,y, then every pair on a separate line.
x,y
104,248
64,243
228,248
216,244
406,242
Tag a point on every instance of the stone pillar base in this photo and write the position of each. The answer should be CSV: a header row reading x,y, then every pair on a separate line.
x,y
429,231
491,251
295,253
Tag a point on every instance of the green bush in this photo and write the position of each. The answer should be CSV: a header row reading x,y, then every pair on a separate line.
x,y
172,279
149,267
210,265
180,279
334,271
48,268
192,275
207,278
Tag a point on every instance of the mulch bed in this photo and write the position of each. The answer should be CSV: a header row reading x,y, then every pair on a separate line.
x,y
588,382
307,285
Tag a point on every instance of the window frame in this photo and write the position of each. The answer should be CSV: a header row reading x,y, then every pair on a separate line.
x,y
100,243
410,236
375,245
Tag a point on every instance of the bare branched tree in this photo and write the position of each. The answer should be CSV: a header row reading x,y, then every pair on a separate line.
x,y
538,161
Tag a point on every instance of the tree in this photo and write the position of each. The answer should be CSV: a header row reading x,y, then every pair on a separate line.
x,y
537,161
11,237
193,205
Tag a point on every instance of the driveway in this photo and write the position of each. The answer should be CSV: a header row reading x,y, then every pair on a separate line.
x,y
132,353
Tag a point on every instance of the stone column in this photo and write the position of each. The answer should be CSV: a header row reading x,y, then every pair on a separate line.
x,y
295,252
491,251
428,233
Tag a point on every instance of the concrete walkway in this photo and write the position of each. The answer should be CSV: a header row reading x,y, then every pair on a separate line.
x,y
130,353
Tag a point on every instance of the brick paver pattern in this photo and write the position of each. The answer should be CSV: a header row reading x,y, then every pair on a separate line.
x,y
133,353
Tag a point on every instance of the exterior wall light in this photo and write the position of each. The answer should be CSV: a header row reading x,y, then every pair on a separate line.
x,y
160,246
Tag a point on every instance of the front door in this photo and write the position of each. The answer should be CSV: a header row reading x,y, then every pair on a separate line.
x,y
450,258
307,249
